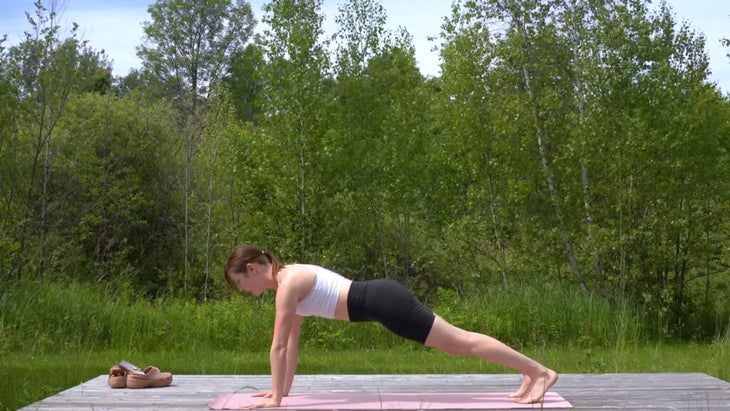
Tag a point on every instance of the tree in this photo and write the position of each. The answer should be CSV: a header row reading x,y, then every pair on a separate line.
x,y
361,35
243,84
614,99
46,70
292,100
481,170
189,45
117,180
9,187
220,185
357,149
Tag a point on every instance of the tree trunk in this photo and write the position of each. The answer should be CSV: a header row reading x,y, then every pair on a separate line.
x,y
501,258
539,133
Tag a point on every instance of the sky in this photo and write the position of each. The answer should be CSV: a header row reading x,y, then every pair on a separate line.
x,y
116,26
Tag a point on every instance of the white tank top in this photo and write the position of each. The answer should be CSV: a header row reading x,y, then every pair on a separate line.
x,y
322,299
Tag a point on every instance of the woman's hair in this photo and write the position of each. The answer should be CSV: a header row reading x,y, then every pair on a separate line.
x,y
245,254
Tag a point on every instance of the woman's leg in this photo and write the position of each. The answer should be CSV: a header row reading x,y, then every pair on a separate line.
x,y
453,340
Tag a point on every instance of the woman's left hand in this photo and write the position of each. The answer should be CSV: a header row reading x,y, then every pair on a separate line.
x,y
264,404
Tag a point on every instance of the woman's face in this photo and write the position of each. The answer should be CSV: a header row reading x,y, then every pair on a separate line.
x,y
253,282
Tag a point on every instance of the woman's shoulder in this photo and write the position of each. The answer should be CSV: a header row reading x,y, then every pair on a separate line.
x,y
314,270
297,267
301,274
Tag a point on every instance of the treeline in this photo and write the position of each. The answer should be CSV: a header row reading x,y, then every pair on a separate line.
x,y
574,143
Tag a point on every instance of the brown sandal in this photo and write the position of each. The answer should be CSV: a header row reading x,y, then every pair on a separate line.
x,y
152,378
117,377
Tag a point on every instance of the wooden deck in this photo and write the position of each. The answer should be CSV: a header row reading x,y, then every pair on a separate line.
x,y
673,391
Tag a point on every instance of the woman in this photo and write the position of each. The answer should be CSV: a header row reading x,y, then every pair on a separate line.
x,y
304,290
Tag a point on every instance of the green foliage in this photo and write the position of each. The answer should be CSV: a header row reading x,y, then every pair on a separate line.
x,y
580,146
189,43
361,35
40,75
292,127
244,83
116,168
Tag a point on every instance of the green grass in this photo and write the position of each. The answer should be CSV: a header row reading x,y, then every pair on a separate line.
x,y
50,317
55,336
30,378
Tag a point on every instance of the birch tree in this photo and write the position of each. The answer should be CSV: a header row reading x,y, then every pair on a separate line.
x,y
188,46
293,88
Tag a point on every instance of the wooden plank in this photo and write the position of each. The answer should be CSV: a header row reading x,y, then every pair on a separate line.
x,y
673,391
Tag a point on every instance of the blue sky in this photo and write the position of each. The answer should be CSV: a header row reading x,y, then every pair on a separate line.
x,y
116,26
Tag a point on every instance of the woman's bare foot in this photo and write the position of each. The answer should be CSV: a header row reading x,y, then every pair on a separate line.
x,y
540,385
523,388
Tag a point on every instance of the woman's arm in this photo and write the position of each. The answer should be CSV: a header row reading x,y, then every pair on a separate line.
x,y
292,353
286,304
287,325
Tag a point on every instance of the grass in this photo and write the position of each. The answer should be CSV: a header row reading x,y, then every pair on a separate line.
x,y
52,317
55,336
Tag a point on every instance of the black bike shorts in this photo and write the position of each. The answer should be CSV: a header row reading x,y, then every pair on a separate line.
x,y
391,304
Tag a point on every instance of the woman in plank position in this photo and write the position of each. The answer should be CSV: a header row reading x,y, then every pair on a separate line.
x,y
304,290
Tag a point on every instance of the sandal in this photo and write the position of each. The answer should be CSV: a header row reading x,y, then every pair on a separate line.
x,y
152,377
117,377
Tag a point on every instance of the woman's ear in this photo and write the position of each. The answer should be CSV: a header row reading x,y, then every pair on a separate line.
x,y
250,269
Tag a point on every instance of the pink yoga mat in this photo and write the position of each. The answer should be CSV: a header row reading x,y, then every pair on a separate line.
x,y
392,401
